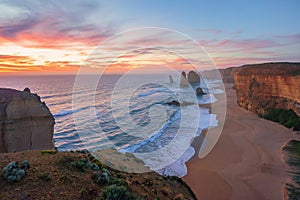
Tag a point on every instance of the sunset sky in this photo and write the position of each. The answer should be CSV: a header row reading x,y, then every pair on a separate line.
x,y
43,37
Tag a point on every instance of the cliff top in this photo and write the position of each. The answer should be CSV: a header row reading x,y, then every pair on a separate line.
x,y
280,68
7,94
52,175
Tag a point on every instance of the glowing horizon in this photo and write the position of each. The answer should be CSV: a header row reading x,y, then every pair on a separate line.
x,y
54,39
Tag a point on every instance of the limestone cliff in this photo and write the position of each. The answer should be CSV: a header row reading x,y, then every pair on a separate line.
x,y
193,77
271,85
183,81
227,74
25,122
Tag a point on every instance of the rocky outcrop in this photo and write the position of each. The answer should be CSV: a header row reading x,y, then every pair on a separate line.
x,y
227,74
199,91
26,123
171,79
183,81
177,103
261,87
193,77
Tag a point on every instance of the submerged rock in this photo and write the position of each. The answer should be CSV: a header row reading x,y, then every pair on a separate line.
x,y
176,103
26,123
173,103
193,77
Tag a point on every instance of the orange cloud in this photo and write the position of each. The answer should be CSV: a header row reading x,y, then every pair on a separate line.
x,y
10,64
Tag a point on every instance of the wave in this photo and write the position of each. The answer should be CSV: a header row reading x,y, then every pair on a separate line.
x,y
178,167
144,94
133,147
64,113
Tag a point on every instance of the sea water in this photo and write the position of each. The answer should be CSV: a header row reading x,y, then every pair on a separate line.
x,y
57,92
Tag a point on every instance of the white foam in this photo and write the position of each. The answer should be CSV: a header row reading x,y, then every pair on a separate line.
x,y
178,168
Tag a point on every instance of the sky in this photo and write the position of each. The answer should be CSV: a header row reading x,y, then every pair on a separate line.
x,y
59,37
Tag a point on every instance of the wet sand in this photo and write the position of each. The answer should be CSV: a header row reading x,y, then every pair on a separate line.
x,y
246,163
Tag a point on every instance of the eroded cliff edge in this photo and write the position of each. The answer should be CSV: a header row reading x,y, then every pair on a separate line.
x,y
261,87
26,123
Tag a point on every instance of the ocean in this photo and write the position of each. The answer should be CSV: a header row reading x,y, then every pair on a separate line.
x,y
137,120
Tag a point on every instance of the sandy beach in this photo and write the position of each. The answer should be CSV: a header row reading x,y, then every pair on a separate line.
x,y
247,161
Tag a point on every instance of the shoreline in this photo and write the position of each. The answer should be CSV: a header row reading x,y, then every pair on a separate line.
x,y
245,160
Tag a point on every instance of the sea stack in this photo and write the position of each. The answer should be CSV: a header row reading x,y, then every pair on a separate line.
x,y
171,79
183,81
199,91
26,123
193,77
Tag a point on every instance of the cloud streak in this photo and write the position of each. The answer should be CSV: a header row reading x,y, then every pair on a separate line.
x,y
77,26
55,26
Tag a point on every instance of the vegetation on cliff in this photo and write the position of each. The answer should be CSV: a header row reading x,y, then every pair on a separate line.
x,y
77,175
288,118
292,150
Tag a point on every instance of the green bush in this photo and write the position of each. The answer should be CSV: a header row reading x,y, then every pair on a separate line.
x,y
83,164
297,125
48,152
102,177
288,118
45,176
114,192
289,123
117,181
13,172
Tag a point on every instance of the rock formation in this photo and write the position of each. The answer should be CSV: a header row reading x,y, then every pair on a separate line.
x,y
199,91
227,74
176,103
193,77
264,86
25,122
171,79
183,81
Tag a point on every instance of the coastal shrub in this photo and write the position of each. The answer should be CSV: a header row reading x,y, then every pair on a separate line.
x,y
119,175
297,125
64,161
45,176
114,192
288,118
13,172
26,165
117,181
48,152
102,177
84,164
290,123
66,178
293,191
79,165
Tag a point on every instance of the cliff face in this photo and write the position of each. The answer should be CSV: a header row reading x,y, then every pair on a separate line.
x,y
25,122
227,74
264,86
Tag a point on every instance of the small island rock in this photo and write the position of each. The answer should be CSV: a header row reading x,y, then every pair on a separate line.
x,y
183,81
193,77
